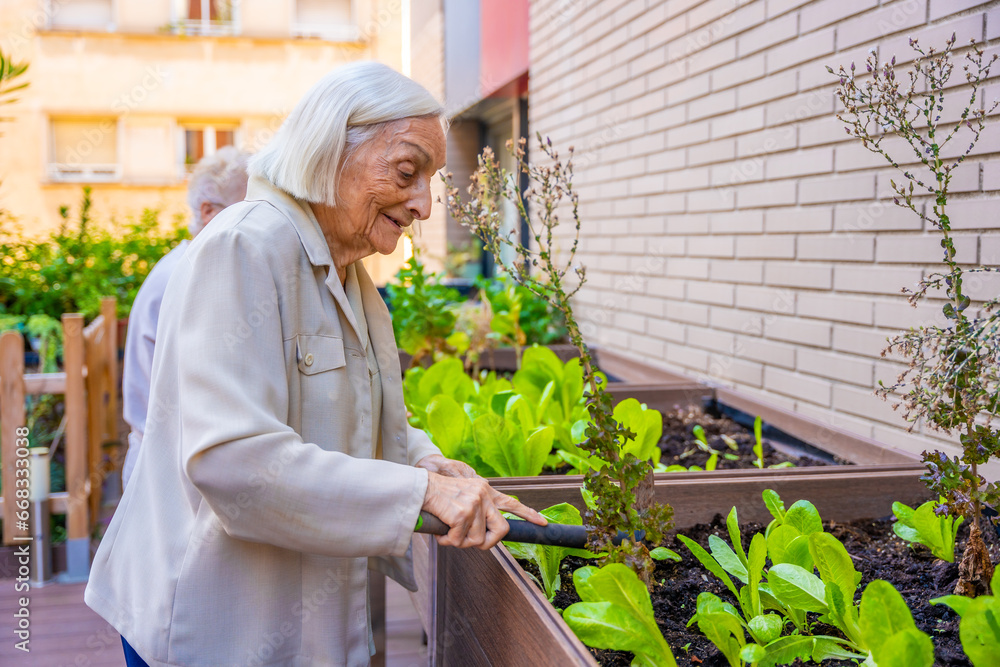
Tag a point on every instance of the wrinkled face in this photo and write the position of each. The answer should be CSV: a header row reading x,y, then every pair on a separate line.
x,y
387,185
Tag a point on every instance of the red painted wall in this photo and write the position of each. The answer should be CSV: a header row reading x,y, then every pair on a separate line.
x,y
503,35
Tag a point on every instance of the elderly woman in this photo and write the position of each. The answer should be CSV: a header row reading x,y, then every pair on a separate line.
x,y
277,464
218,181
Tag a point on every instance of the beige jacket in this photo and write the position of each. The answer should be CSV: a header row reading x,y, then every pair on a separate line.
x,y
243,536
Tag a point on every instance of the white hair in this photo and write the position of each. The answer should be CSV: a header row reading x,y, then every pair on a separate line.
x,y
219,179
342,111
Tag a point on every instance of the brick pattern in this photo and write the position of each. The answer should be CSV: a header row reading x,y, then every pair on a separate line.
x,y
732,228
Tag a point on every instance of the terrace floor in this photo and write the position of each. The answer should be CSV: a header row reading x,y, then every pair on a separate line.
x,y
66,633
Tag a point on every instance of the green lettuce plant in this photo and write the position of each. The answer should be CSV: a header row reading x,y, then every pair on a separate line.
x,y
423,314
647,429
979,628
924,526
537,319
558,389
954,370
501,438
549,558
810,572
888,630
500,427
616,613
622,489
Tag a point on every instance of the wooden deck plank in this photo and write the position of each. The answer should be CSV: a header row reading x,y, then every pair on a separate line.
x,y
65,632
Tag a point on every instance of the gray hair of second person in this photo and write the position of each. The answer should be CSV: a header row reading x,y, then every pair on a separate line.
x,y
219,179
342,111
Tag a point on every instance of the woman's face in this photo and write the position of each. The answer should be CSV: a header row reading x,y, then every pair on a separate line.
x,y
386,186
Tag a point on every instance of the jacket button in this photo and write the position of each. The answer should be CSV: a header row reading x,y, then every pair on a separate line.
x,y
308,361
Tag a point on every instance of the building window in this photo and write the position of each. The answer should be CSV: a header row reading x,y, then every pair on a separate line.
x,y
206,17
332,20
81,14
199,140
84,150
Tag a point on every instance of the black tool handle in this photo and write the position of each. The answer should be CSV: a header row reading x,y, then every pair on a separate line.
x,y
554,534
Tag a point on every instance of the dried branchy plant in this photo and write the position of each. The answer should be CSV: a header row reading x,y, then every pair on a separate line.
x,y
954,370
622,491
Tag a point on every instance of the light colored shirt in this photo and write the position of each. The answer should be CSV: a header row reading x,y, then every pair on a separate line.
x,y
139,344
256,507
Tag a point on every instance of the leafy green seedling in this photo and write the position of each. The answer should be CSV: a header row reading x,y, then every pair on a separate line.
x,y
924,526
548,558
728,562
888,630
979,628
802,515
758,447
732,445
645,424
701,440
423,314
722,624
422,385
758,441
616,613
663,553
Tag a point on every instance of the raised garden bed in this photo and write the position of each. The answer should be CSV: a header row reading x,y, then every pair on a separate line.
x,y
486,611
871,463
915,573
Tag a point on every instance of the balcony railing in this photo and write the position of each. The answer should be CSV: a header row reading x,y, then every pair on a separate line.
x,y
330,33
205,27
85,173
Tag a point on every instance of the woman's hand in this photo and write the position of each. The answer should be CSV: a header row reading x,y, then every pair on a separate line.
x,y
471,507
447,467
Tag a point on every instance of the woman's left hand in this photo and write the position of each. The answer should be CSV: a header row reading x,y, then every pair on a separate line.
x,y
445,466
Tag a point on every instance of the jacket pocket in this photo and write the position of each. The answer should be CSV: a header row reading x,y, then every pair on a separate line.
x,y
316,354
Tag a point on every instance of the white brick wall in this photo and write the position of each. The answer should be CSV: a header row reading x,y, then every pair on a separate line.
x,y
707,140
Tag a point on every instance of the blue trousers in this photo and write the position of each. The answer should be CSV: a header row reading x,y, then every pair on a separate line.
x,y
132,658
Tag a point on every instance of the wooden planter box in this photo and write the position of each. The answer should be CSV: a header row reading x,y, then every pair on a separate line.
x,y
880,474
874,463
486,611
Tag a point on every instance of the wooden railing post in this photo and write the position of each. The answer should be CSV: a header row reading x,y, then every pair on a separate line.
x,y
109,311
12,417
77,524
93,361
100,359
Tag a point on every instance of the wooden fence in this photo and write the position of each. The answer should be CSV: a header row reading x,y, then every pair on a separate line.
x,y
89,382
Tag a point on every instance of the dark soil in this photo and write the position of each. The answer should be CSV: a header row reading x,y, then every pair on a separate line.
x,y
878,554
680,447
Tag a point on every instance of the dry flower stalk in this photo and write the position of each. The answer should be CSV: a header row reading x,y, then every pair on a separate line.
x,y
621,490
953,376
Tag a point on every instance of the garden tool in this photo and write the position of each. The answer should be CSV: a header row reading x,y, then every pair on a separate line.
x,y
554,534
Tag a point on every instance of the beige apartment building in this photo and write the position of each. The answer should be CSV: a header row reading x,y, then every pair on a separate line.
x,y
126,95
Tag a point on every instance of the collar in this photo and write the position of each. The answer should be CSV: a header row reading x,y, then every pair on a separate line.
x,y
311,236
301,216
